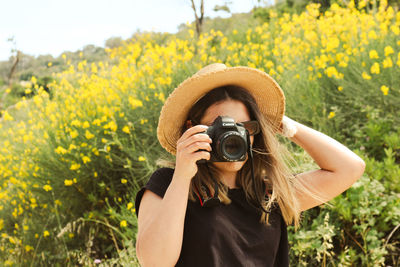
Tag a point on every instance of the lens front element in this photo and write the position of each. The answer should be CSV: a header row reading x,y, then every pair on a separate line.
x,y
233,146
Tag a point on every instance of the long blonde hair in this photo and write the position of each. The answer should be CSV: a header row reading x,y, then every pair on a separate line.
x,y
269,158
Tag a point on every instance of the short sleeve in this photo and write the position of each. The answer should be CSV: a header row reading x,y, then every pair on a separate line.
x,y
158,184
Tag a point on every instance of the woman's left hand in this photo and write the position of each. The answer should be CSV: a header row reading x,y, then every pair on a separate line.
x,y
288,127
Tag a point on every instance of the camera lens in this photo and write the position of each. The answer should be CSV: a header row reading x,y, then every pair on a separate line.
x,y
233,147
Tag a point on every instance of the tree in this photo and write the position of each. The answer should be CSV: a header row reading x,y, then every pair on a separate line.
x,y
199,20
113,42
223,7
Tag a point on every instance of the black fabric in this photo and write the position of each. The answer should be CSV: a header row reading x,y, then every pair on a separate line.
x,y
226,235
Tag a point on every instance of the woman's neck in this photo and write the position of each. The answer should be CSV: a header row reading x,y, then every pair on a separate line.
x,y
229,179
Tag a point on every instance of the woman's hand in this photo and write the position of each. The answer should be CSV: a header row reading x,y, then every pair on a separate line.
x,y
187,153
288,127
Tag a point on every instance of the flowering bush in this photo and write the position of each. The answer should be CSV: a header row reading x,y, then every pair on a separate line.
x,y
71,165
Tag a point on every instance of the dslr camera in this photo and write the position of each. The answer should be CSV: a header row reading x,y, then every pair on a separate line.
x,y
229,140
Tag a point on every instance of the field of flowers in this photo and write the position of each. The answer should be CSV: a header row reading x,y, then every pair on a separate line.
x,y
71,163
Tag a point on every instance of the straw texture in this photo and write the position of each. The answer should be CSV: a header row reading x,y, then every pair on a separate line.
x,y
266,91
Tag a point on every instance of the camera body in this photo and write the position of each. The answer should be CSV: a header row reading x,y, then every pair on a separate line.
x,y
229,140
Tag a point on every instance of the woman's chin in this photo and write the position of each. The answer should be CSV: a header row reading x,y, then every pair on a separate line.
x,y
229,166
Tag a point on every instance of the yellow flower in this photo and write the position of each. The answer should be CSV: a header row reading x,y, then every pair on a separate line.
x,y
60,150
162,97
388,50
76,123
28,248
7,116
331,115
123,223
141,158
95,151
47,187
46,233
71,235
74,134
362,4
372,35
395,29
129,206
96,122
375,68
387,63
234,31
49,64
373,54
112,125
124,181
88,135
85,159
126,129
72,146
340,88
332,71
366,76
86,124
75,166
385,90
135,102
68,182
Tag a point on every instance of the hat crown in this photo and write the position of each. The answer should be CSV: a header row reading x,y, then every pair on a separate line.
x,y
211,68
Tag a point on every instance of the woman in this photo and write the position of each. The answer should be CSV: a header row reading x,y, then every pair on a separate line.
x,y
209,211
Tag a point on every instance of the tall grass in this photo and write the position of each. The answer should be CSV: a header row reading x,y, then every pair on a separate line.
x,y
70,166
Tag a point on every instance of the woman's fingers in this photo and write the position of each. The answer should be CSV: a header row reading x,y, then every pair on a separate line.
x,y
193,130
198,145
199,137
192,146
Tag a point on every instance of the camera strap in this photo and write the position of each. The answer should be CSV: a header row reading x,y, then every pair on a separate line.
x,y
209,200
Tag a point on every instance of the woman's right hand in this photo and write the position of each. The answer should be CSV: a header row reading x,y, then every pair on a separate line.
x,y
187,153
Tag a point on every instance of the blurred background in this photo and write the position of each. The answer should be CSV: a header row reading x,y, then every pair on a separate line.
x,y
82,85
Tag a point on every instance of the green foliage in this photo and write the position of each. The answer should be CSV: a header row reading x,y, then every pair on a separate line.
x,y
317,242
89,214
358,214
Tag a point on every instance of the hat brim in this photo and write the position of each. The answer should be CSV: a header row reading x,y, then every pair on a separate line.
x,y
265,90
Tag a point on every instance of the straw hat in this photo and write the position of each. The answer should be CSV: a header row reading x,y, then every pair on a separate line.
x,y
266,91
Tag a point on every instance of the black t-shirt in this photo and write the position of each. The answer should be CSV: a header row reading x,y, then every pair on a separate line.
x,y
225,235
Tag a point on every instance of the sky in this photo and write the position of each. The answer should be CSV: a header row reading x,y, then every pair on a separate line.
x,y
52,26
